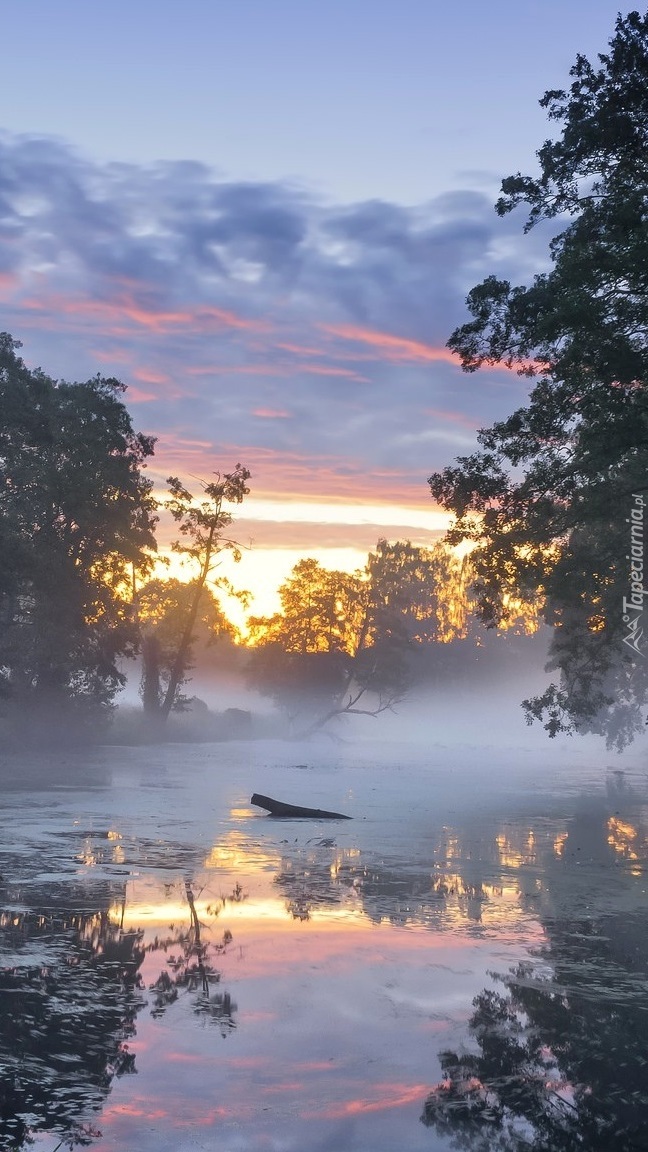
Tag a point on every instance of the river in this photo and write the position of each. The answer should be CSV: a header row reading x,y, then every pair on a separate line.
x,y
462,964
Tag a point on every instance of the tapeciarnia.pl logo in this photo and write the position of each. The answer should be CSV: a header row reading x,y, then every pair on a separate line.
x,y
633,605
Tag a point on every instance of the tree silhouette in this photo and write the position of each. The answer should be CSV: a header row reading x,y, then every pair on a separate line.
x,y
203,524
554,498
76,520
163,607
344,644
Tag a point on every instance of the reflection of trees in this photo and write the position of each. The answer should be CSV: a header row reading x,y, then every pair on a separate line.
x,y
477,873
69,996
70,977
191,967
561,1052
454,884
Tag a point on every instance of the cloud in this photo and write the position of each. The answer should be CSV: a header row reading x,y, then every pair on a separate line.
x,y
149,377
395,349
314,535
271,413
310,334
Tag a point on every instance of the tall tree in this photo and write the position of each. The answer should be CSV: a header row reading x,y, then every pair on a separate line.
x,y
415,595
321,611
554,499
163,607
77,516
203,525
342,643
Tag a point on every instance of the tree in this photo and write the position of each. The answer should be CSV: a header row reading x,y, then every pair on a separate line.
x,y
163,607
303,655
202,529
321,611
416,596
553,501
343,642
77,519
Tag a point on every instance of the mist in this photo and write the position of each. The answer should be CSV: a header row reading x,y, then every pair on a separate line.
x,y
473,706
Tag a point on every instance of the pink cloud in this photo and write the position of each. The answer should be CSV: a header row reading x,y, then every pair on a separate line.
x,y
277,473
236,370
452,418
271,413
123,307
324,370
8,283
393,348
138,396
398,350
116,356
300,349
147,376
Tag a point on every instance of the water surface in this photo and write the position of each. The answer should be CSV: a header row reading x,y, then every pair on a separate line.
x,y
463,964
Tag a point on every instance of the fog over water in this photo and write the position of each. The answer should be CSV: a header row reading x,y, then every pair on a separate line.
x,y
182,971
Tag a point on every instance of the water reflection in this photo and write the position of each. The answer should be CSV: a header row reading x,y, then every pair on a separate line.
x,y
558,1050
265,977
191,967
70,991
465,880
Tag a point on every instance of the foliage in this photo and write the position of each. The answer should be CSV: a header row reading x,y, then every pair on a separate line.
x,y
342,642
321,611
68,1006
416,595
76,521
560,1058
163,607
548,497
203,525
191,968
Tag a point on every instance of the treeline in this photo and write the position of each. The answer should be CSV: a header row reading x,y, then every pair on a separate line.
x,y
357,643
78,521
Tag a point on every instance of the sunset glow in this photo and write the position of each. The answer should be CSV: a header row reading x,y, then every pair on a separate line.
x,y
323,538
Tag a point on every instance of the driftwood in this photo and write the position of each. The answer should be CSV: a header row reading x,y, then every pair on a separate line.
x,y
278,808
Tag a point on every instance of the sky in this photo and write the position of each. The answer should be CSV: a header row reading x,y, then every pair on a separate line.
x,y
264,218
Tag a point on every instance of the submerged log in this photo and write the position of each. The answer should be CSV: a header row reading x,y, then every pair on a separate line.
x,y
278,808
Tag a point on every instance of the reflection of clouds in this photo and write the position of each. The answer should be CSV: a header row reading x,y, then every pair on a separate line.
x,y
319,1043
385,1097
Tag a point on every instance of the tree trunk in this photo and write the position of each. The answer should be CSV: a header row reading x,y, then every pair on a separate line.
x,y
151,675
180,662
